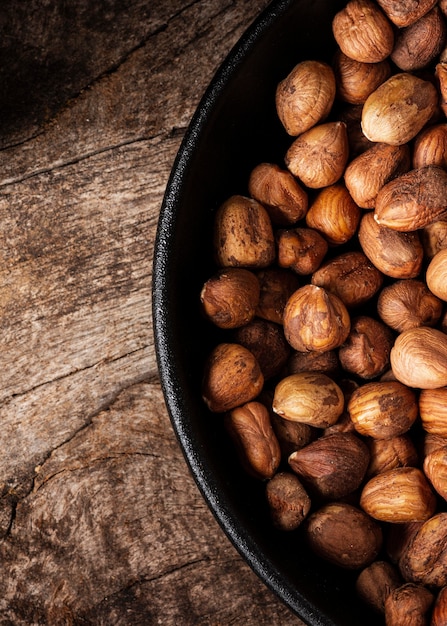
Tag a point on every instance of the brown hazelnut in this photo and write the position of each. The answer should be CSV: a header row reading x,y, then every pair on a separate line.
x,y
305,97
243,234
370,171
430,147
408,604
318,157
434,238
366,350
395,254
267,343
436,275
344,535
278,192
351,276
441,75
315,319
351,115
383,409
439,613
403,13
301,249
277,285
230,297
433,411
357,80
310,398
399,495
416,46
376,582
324,362
408,304
363,32
334,214
332,466
232,377
419,358
288,501
386,454
435,468
397,110
424,557
291,435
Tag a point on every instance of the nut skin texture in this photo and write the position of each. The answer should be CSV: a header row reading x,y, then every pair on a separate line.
x,y
301,249
430,147
434,238
350,276
400,495
433,411
408,304
419,358
383,410
363,32
351,115
366,350
243,234
424,557
291,435
318,157
279,193
387,454
277,285
250,428
288,501
439,613
232,377
332,466
230,297
266,342
408,605
435,468
310,398
376,582
375,167
416,46
324,362
344,535
397,110
441,75
405,12
436,275
305,97
395,254
356,80
315,320
334,214
413,200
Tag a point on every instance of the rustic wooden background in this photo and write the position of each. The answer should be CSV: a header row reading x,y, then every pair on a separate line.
x,y
100,521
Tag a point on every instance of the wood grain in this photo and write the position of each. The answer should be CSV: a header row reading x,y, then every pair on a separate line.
x,y
100,520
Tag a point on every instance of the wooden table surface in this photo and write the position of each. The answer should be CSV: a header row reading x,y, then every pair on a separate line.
x,y
100,521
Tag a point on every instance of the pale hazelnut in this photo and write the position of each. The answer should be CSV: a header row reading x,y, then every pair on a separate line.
x,y
279,192
305,97
399,495
419,358
318,157
315,319
408,304
301,249
395,254
288,501
416,46
436,275
334,214
363,32
397,110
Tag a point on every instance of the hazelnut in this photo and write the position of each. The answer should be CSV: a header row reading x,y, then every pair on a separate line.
x,y
430,147
279,193
395,254
351,115
315,319
267,343
399,495
434,238
439,613
383,409
230,297
301,249
310,398
408,604
277,285
417,45
433,411
419,358
424,557
435,468
363,32
232,377
344,535
413,200
356,80
332,466
243,234
291,435
436,275
387,454
408,304
376,582
397,110
403,13
370,171
252,433
318,157
366,350
351,276
288,501
334,214
324,362
305,97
